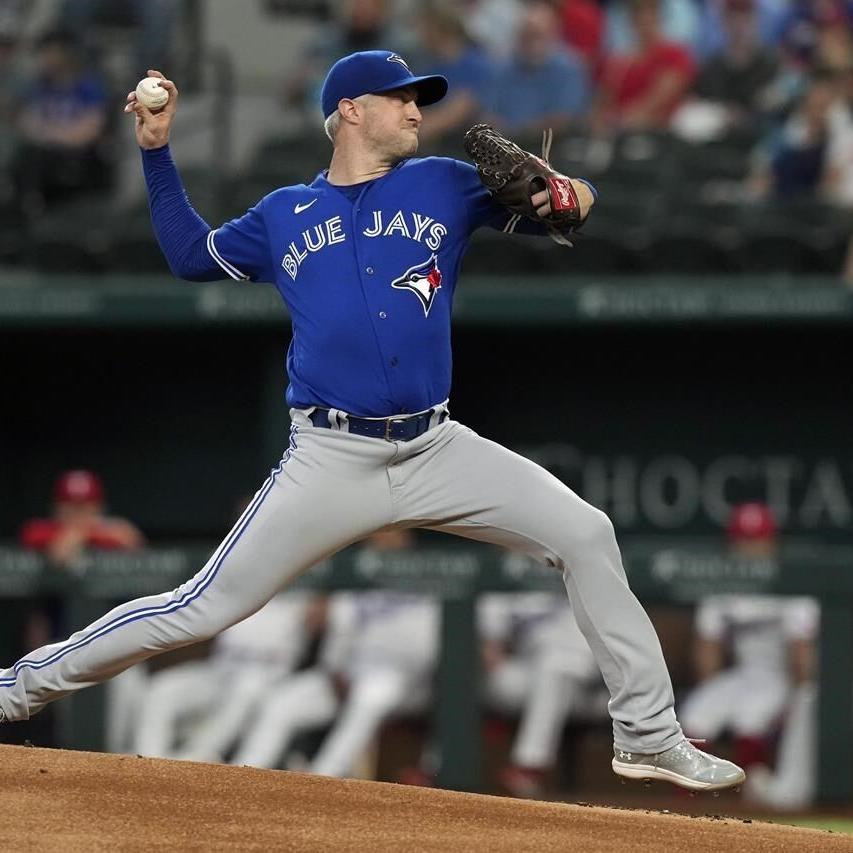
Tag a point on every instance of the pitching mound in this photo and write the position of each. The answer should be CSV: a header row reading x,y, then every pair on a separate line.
x,y
54,800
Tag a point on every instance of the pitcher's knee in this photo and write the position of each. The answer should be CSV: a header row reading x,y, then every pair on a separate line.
x,y
591,533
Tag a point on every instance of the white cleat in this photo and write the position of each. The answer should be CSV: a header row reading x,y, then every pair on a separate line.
x,y
683,765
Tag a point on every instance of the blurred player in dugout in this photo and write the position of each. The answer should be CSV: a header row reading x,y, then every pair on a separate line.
x,y
78,522
539,668
754,654
376,663
200,710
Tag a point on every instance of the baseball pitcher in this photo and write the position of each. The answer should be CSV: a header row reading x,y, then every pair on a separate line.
x,y
366,257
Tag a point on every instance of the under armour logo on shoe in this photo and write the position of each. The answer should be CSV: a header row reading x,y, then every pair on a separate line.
x,y
626,756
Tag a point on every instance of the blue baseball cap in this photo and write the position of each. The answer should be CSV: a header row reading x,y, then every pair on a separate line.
x,y
373,71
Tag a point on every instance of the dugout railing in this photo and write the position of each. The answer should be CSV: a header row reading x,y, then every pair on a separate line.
x,y
659,572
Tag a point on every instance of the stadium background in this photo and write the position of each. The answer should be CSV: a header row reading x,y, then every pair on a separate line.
x,y
687,355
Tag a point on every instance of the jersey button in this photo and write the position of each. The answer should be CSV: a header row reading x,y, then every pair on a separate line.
x,y
382,315
369,270
394,361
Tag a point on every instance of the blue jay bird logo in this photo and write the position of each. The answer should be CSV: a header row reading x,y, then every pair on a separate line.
x,y
395,57
424,280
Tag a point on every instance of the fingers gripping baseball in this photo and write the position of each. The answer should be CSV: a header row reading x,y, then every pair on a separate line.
x,y
153,127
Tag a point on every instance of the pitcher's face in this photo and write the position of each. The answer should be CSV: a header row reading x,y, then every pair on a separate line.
x,y
391,123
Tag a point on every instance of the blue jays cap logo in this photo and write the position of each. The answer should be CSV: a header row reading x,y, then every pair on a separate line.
x,y
395,57
424,280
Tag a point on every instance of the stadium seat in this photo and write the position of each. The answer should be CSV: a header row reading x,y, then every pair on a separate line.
x,y
11,233
618,234
242,193
494,253
695,237
132,246
72,237
288,160
794,235
591,255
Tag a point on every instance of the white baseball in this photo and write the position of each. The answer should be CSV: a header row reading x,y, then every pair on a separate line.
x,y
151,94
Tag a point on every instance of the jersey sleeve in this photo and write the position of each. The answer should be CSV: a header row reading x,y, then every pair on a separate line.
x,y
241,247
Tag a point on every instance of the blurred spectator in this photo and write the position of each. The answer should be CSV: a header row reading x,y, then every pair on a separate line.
x,y
679,21
377,661
538,666
643,88
78,522
737,78
811,153
494,24
153,21
769,21
61,122
819,33
543,84
13,14
361,25
221,694
583,28
772,642
448,50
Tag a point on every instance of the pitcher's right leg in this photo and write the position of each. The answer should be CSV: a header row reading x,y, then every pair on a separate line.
x,y
329,490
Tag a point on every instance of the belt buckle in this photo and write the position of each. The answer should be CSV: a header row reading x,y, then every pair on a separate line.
x,y
389,422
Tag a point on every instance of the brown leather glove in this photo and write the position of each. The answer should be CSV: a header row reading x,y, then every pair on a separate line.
x,y
513,175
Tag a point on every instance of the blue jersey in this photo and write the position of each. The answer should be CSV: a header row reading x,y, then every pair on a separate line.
x,y
368,273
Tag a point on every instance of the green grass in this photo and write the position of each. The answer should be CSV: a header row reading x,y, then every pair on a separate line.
x,y
836,824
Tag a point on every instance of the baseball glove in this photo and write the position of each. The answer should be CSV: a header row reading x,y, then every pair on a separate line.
x,y
513,175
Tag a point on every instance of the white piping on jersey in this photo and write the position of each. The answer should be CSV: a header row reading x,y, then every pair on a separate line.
x,y
229,268
509,228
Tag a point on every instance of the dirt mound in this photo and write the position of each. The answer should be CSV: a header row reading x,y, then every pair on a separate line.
x,y
55,800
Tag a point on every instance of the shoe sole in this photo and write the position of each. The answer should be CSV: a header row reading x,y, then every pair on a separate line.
x,y
647,771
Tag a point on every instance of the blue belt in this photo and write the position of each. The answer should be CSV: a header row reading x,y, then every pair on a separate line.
x,y
391,429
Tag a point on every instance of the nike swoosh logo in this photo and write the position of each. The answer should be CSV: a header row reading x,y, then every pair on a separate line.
x,y
300,207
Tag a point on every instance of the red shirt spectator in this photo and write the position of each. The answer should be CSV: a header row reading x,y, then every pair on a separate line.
x,y
583,28
643,89
78,522
630,79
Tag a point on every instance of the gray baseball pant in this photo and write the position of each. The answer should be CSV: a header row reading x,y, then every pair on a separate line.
x,y
332,489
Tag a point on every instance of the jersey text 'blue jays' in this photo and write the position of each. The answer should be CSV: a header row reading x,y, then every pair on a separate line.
x,y
368,273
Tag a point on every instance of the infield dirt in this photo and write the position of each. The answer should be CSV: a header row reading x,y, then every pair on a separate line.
x,y
54,800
